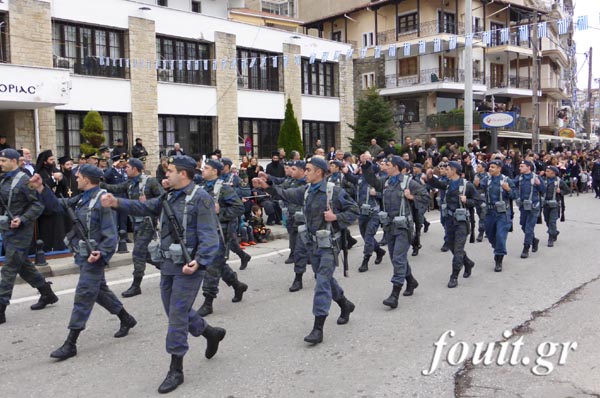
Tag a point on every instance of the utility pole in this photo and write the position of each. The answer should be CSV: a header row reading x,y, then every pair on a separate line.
x,y
535,134
468,105
589,96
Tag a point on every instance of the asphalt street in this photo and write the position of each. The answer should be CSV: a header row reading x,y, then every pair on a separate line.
x,y
380,353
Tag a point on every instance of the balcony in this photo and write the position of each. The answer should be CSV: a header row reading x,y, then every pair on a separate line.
x,y
515,44
455,120
90,66
556,54
425,29
427,80
515,87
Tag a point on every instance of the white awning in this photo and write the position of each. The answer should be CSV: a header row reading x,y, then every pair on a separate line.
x,y
26,87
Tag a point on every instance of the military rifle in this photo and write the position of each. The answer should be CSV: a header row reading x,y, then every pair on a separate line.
x,y
172,217
80,227
472,222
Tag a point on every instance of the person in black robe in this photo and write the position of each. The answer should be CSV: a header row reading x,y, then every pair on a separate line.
x,y
51,227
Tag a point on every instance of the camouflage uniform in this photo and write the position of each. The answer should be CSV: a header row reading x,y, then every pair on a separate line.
x,y
231,233
550,205
527,190
481,206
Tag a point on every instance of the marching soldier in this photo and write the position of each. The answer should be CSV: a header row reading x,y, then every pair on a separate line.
x,y
396,220
417,209
481,204
99,225
497,189
460,195
327,209
554,186
338,177
530,188
20,207
195,211
138,187
229,208
368,220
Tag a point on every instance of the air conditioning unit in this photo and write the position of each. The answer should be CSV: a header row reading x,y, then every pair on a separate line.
x,y
62,62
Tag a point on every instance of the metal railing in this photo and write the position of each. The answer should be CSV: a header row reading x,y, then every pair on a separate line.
x,y
428,76
513,82
424,29
90,67
454,121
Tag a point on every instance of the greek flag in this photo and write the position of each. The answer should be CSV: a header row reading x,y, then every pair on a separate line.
x,y
422,46
285,61
487,38
582,22
313,56
392,50
563,26
223,63
406,49
504,35
101,60
469,40
452,43
135,63
127,62
233,64
180,64
336,56
349,54
188,65
298,59
172,64
205,64
542,29
252,62
275,62
437,45
377,52
524,33
263,62
324,56
363,53
214,64
197,65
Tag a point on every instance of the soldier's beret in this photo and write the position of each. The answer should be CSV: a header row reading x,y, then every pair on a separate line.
x,y
215,164
133,162
484,165
554,169
226,161
418,165
398,161
319,162
88,170
528,163
9,153
456,166
183,161
337,163
301,164
496,162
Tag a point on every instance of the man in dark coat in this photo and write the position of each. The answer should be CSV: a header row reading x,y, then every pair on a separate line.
x,y
50,225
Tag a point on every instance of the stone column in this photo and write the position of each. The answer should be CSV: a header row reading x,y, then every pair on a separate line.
x,y
227,104
30,43
346,93
144,94
292,81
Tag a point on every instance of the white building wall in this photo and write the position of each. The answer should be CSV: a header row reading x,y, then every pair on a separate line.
x,y
4,5
99,94
261,104
320,108
183,99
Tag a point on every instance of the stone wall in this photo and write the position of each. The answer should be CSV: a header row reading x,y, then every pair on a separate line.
x,y
346,92
227,105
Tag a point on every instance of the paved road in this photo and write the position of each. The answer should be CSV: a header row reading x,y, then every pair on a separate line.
x,y
380,353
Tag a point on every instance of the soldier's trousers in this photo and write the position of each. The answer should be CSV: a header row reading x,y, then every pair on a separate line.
x,y
215,272
497,226
300,256
17,263
443,219
232,239
327,287
368,226
292,231
596,186
91,289
551,216
178,293
528,219
481,213
458,232
398,246
142,237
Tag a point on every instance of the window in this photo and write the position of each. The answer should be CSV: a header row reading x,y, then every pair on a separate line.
x,y
263,133
368,39
188,66
78,47
279,7
446,23
497,75
477,25
336,36
3,38
412,109
367,80
317,78
263,75
407,23
448,67
163,3
196,6
408,66
69,125
194,134
495,31
313,131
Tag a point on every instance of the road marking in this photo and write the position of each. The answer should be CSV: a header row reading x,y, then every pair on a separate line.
x,y
157,274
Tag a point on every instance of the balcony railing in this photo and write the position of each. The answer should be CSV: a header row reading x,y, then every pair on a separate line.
x,y
90,67
424,29
513,82
454,121
428,76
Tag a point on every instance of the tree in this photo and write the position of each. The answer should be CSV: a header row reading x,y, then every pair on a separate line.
x,y
290,138
373,120
92,132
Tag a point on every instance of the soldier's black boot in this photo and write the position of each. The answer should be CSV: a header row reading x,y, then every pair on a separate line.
x,y
206,308
453,282
135,288
411,285
2,313
290,259
380,253
536,243
347,308
498,260
415,251
47,297
392,301
480,236
238,291
175,376
525,252
245,261
69,348
445,247
297,284
426,226
469,264
213,337
364,267
550,242
127,322
316,334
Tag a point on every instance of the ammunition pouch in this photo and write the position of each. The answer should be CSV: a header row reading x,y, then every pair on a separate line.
x,y
299,218
444,209
83,249
383,218
527,205
500,206
324,239
4,223
461,215
399,224
155,252
365,210
175,254
551,204
303,233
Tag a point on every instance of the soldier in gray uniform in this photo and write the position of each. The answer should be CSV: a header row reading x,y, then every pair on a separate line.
x,y
180,283
327,209
460,195
396,220
20,207
229,208
101,228
481,205
138,187
530,189
554,186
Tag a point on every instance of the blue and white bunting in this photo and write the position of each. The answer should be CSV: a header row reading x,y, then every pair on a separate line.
x,y
452,43
224,64
275,65
582,22
563,26
298,59
524,33
542,29
469,40
205,64
486,37
504,35
437,45
325,56
286,61
214,64
363,53
377,53
313,56
252,62
101,60
263,62
233,64
392,51
336,56
350,54
422,45
407,49
180,64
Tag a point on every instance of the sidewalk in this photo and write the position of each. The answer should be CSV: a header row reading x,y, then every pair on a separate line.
x,y
66,266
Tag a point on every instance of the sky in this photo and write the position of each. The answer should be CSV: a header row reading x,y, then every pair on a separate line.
x,y
586,39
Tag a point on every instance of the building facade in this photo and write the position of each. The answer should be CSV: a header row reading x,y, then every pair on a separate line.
x,y
164,74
